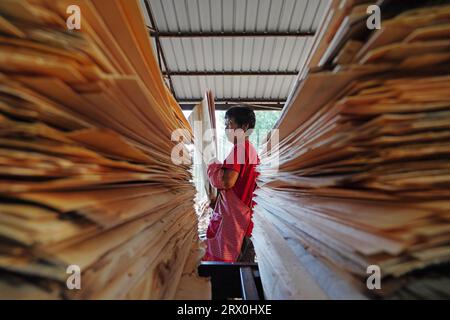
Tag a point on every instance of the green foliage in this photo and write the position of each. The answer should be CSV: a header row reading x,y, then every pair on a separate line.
x,y
265,120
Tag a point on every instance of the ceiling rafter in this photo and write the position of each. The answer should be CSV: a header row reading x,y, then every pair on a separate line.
x,y
234,34
231,73
159,49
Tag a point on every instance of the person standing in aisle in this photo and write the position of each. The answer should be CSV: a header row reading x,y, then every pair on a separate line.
x,y
230,228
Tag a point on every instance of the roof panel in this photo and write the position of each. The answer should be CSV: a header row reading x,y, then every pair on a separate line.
x,y
267,54
146,17
169,53
267,86
216,21
227,91
297,53
284,92
164,15
245,87
287,54
310,15
204,11
209,54
277,53
238,46
236,15
234,54
194,16
287,15
273,22
320,14
257,51
190,86
228,11
308,43
181,15
178,88
235,87
210,83
227,54
298,15
262,14
250,15
246,56
276,89
240,15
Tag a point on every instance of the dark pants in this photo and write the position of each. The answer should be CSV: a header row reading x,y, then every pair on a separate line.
x,y
247,251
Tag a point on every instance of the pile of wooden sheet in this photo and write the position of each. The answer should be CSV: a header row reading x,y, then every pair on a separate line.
x,y
85,157
364,171
203,122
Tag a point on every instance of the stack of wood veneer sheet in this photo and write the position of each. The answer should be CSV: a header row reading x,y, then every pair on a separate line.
x,y
203,122
363,178
87,179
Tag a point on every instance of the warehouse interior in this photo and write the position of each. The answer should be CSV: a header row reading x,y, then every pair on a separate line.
x,y
353,124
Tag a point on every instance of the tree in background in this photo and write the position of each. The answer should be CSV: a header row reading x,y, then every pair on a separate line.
x,y
265,120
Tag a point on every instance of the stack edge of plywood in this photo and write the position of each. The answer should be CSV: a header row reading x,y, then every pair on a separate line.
x,y
87,178
363,177
203,122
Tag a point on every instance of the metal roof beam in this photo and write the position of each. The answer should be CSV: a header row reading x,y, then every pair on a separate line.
x,y
159,49
232,73
225,103
235,100
225,106
166,34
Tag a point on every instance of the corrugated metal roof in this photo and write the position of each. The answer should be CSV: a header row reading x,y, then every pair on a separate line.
x,y
236,54
262,88
232,54
237,15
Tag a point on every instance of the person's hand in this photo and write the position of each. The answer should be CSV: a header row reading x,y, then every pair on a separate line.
x,y
213,161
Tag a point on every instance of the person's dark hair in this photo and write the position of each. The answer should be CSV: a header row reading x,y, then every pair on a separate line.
x,y
242,115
